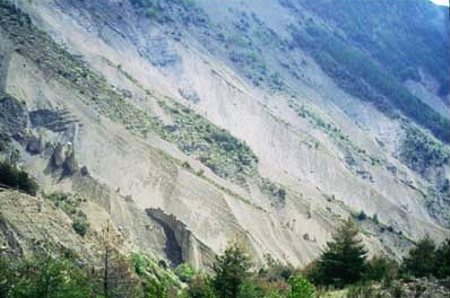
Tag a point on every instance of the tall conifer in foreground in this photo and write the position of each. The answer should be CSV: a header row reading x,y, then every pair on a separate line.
x,y
343,261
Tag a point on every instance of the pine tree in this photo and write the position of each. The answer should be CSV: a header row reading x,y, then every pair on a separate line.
x,y
442,261
421,259
231,269
343,262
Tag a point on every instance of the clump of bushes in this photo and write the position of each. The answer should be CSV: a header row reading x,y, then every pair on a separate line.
x,y
11,176
80,223
154,277
234,275
276,191
361,215
70,205
420,150
185,272
57,277
300,287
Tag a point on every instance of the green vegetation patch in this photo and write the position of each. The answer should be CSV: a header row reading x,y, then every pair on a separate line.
x,y
420,150
276,192
43,276
14,178
70,205
155,278
343,264
333,131
253,66
216,148
57,274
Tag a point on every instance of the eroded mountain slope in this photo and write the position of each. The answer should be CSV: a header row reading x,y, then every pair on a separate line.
x,y
119,85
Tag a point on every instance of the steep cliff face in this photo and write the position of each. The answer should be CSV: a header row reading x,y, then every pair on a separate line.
x,y
181,245
265,122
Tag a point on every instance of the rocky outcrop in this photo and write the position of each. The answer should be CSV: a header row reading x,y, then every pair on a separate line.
x,y
54,120
57,158
35,144
181,244
13,116
63,162
70,165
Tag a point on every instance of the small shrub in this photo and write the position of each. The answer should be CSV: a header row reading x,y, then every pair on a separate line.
x,y
375,219
57,278
248,289
139,263
185,272
186,165
300,288
80,225
67,202
276,191
70,203
361,215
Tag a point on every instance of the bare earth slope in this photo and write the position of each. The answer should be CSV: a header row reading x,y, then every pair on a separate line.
x,y
142,100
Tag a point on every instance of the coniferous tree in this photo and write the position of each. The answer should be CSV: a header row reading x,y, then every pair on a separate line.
x,y
231,269
381,269
343,261
442,260
421,259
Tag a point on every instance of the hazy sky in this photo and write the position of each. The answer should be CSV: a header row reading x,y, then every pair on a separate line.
x,y
440,2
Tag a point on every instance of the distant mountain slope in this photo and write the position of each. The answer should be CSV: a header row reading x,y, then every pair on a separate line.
x,y
383,44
